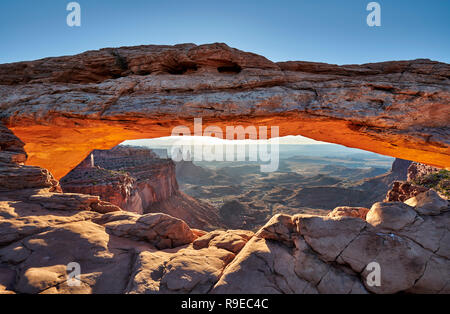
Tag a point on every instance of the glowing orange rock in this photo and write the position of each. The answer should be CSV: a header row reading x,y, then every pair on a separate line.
x,y
62,108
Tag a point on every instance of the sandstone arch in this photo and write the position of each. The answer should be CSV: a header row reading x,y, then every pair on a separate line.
x,y
62,108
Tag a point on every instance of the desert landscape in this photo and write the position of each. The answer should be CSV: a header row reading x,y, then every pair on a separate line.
x,y
136,221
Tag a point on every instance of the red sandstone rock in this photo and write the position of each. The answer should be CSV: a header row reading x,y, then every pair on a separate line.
x,y
401,191
346,211
291,254
230,240
417,170
137,180
163,231
56,104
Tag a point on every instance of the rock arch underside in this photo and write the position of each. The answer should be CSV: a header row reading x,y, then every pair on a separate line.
x,y
55,111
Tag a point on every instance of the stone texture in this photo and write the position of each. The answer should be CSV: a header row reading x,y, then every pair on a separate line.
x,y
409,257
346,211
163,231
380,185
230,240
428,203
392,216
55,105
184,271
43,230
328,236
417,170
401,191
431,178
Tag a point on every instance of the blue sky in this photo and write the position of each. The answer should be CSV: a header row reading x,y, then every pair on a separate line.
x,y
333,31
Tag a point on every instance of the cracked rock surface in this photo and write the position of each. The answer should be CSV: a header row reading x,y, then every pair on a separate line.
x,y
54,105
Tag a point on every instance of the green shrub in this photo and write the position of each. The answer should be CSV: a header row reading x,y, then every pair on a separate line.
x,y
439,181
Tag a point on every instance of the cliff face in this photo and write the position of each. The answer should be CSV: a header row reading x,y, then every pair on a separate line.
x,y
113,186
378,186
54,105
132,178
137,180
122,252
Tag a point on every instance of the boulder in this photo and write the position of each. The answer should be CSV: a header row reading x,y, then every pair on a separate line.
x,y
230,240
391,215
163,231
428,203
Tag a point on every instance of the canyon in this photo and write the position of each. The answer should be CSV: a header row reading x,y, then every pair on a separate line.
x,y
56,111
137,180
235,195
247,198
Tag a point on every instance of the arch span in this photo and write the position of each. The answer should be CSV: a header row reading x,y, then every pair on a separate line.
x,y
62,108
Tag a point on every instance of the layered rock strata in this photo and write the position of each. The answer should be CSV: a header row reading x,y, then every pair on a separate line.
x,y
55,105
132,178
137,180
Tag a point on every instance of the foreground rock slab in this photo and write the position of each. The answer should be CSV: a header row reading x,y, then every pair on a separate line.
x,y
122,252
311,254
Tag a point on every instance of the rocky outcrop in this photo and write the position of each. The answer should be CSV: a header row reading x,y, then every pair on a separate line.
x,y
36,186
428,203
13,174
417,170
55,104
430,178
163,231
137,180
377,187
43,230
130,177
420,178
112,186
130,253
401,191
196,213
312,254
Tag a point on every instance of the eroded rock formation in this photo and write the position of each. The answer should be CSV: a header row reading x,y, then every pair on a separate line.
x,y
401,191
137,180
417,170
131,178
63,108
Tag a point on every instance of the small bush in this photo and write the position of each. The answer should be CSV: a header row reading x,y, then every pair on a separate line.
x,y
439,181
